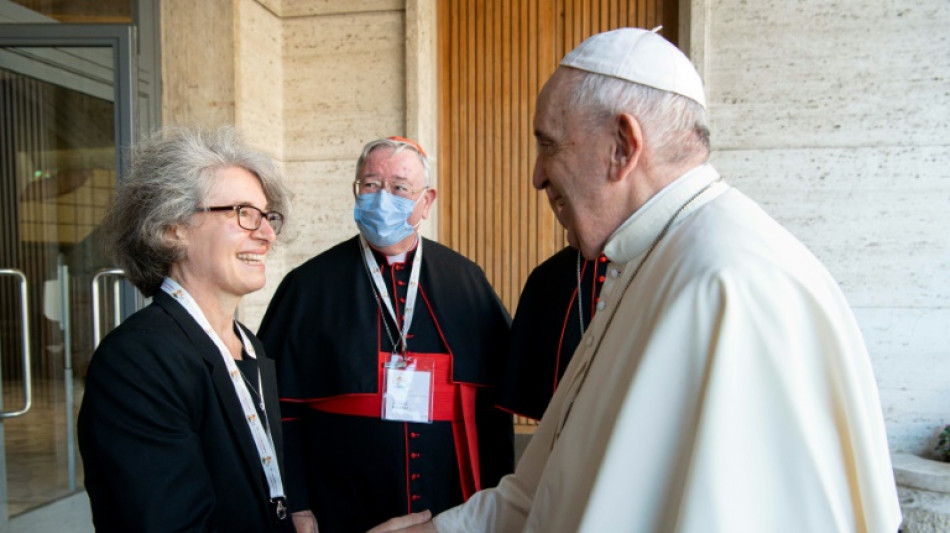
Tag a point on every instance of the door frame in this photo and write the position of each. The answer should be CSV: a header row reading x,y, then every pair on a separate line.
x,y
120,38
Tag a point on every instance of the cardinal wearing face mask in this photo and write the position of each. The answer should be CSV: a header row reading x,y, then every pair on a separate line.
x,y
388,347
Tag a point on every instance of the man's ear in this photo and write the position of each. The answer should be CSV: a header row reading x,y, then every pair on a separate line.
x,y
628,146
430,195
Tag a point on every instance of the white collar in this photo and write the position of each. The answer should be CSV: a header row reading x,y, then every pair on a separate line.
x,y
634,235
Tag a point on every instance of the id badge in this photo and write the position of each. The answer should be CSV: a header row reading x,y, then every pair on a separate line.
x,y
408,386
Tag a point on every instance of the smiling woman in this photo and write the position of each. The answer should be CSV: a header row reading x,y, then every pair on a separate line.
x,y
179,427
222,244
178,173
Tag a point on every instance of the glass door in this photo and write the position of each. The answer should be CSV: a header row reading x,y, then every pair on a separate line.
x,y
65,126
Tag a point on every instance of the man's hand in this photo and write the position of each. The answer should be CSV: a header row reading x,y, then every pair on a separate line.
x,y
410,523
305,522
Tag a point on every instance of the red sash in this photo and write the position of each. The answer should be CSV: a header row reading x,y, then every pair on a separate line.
x,y
451,402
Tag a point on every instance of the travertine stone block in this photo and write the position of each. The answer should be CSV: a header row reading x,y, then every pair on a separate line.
x,y
855,207
344,83
923,486
198,47
259,86
803,74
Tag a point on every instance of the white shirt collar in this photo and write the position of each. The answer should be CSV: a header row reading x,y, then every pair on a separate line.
x,y
634,235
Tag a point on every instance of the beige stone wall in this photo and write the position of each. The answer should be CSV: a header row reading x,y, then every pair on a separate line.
x,y
835,116
197,40
259,75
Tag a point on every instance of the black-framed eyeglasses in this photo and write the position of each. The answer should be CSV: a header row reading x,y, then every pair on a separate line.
x,y
250,217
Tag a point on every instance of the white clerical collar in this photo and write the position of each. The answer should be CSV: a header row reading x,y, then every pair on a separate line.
x,y
636,233
401,258
398,258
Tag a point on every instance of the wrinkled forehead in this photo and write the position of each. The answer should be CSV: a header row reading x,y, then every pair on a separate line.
x,y
551,107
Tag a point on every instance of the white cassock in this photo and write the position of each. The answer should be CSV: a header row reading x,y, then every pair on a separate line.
x,y
727,388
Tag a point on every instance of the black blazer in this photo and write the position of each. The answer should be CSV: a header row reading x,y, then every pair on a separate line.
x,y
164,442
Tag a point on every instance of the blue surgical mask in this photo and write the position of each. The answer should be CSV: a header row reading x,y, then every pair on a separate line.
x,y
383,218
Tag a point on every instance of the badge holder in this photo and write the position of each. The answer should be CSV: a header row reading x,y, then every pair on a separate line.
x,y
408,387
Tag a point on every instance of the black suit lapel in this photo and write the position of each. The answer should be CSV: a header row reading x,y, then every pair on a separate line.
x,y
224,389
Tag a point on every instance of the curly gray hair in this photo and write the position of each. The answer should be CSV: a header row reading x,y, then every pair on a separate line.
x,y
172,174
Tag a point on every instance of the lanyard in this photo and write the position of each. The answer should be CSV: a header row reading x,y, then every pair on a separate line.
x,y
373,268
262,438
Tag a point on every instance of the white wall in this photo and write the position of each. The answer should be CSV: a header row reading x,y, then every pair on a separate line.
x,y
836,117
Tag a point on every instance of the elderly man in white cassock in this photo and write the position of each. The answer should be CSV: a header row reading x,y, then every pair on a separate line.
x,y
723,384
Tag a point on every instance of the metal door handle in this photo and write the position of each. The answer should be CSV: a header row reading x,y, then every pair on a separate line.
x,y
96,325
25,310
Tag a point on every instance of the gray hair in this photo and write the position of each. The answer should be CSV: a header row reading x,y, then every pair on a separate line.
x,y
397,146
676,127
172,174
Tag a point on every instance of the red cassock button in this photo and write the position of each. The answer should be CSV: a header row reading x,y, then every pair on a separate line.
x,y
415,476
416,497
603,259
601,279
413,435
415,455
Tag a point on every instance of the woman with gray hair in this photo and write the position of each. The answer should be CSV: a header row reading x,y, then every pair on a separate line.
x,y
179,428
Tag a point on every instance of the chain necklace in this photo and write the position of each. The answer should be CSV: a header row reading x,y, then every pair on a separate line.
x,y
385,321
383,318
580,298
376,281
253,390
